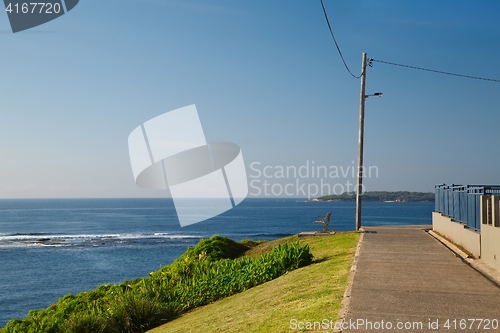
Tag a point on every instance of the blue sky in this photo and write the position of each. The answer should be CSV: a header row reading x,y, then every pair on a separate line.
x,y
263,74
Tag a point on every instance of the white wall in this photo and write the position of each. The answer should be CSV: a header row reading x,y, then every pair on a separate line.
x,y
490,233
458,233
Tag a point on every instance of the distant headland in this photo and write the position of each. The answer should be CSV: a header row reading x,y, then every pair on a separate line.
x,y
380,196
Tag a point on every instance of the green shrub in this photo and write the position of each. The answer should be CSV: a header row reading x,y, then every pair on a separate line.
x,y
216,247
85,323
137,314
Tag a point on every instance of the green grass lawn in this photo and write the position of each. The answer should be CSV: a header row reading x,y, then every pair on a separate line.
x,y
311,293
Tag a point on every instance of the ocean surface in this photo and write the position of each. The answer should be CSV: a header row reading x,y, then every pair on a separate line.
x,y
51,247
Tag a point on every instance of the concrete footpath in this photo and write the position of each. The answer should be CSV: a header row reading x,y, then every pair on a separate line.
x,y
407,281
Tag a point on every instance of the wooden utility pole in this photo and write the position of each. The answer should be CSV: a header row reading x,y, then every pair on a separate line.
x,y
359,186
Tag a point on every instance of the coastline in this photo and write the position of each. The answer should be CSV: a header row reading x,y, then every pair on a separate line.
x,y
194,275
378,196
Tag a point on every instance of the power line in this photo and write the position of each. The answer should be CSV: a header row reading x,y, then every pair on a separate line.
x,y
392,63
434,71
337,45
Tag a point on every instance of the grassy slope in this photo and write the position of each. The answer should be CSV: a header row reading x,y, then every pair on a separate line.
x,y
310,293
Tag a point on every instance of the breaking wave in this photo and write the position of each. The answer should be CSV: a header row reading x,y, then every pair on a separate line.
x,y
93,240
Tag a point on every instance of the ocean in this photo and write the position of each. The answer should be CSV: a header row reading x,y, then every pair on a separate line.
x,y
52,247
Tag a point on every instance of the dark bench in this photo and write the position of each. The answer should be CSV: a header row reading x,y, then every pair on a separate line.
x,y
325,220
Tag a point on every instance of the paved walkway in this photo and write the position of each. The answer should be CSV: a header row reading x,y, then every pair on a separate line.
x,y
404,276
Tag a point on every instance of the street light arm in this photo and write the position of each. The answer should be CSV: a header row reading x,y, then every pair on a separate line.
x,y
377,94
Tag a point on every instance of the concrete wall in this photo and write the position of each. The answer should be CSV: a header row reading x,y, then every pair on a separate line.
x,y
458,233
490,232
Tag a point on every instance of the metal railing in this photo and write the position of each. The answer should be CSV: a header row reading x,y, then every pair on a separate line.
x,y
462,202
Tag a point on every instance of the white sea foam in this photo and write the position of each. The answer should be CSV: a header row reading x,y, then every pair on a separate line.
x,y
16,240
